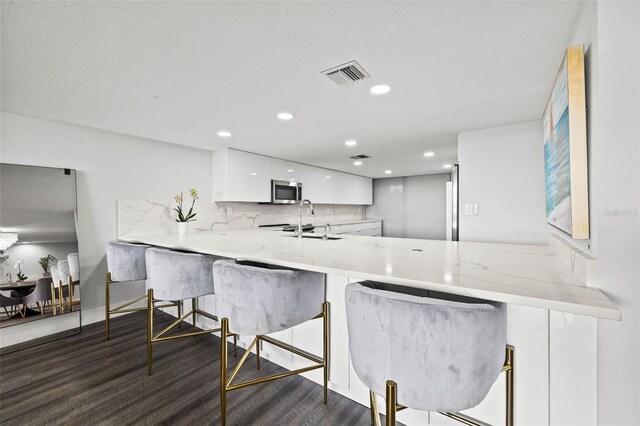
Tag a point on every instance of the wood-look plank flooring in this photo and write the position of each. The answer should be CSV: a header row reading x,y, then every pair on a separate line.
x,y
86,380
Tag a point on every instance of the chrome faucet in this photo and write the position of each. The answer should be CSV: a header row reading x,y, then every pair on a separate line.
x,y
300,215
325,236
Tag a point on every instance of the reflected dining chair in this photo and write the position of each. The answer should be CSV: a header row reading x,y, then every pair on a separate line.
x,y
258,299
12,303
40,295
74,271
65,289
58,289
177,276
440,353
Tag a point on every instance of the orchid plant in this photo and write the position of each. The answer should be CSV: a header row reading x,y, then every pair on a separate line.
x,y
20,275
189,217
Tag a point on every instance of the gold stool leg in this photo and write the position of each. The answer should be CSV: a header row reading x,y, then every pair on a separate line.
x,y
373,408
149,329
509,379
180,306
391,402
224,324
70,293
235,345
258,353
61,298
53,299
194,307
325,347
107,303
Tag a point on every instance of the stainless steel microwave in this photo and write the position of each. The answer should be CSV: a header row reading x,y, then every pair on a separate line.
x,y
283,192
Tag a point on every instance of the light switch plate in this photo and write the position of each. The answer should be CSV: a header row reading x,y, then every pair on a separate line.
x,y
475,210
468,209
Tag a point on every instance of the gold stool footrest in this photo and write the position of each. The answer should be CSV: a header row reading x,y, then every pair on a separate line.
x,y
226,381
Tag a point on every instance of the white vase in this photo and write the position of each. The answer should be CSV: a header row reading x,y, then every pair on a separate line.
x,y
182,227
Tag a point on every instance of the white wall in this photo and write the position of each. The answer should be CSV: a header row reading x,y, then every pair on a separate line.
x,y
30,253
410,207
109,166
610,33
502,170
616,150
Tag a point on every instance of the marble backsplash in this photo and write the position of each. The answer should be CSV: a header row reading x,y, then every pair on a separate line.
x,y
144,217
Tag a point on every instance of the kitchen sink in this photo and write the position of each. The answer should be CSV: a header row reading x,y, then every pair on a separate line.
x,y
316,237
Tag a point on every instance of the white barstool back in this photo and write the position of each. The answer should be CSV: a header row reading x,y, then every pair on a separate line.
x,y
74,266
177,275
444,355
55,275
126,262
63,271
262,299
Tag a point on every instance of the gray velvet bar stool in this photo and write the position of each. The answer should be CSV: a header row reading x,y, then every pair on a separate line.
x,y
177,276
440,353
125,264
257,299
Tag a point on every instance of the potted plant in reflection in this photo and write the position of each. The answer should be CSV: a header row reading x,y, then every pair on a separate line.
x,y
20,275
44,262
184,219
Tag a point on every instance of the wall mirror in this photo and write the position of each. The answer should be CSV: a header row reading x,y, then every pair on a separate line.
x,y
39,261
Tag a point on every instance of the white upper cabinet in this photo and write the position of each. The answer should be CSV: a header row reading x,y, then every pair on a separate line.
x,y
241,176
244,176
228,175
257,178
278,169
294,171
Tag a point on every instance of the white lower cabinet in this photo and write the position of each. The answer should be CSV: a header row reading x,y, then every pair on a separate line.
x,y
573,370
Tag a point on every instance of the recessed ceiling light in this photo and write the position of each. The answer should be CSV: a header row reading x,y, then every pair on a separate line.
x,y
387,172
224,134
290,170
357,163
351,142
447,166
328,176
285,116
429,154
380,89
253,174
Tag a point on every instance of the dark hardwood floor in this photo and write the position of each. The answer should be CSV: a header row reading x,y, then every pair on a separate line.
x,y
86,380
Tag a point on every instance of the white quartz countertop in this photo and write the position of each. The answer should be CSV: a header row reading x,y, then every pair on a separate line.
x,y
519,274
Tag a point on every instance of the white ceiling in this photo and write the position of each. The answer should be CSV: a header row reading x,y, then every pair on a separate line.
x,y
181,71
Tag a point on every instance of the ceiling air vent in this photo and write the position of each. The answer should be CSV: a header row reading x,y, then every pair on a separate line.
x,y
346,73
359,157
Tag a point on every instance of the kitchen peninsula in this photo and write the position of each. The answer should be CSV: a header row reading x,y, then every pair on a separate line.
x,y
547,301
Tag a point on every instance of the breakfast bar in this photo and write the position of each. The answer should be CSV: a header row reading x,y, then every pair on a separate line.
x,y
547,302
